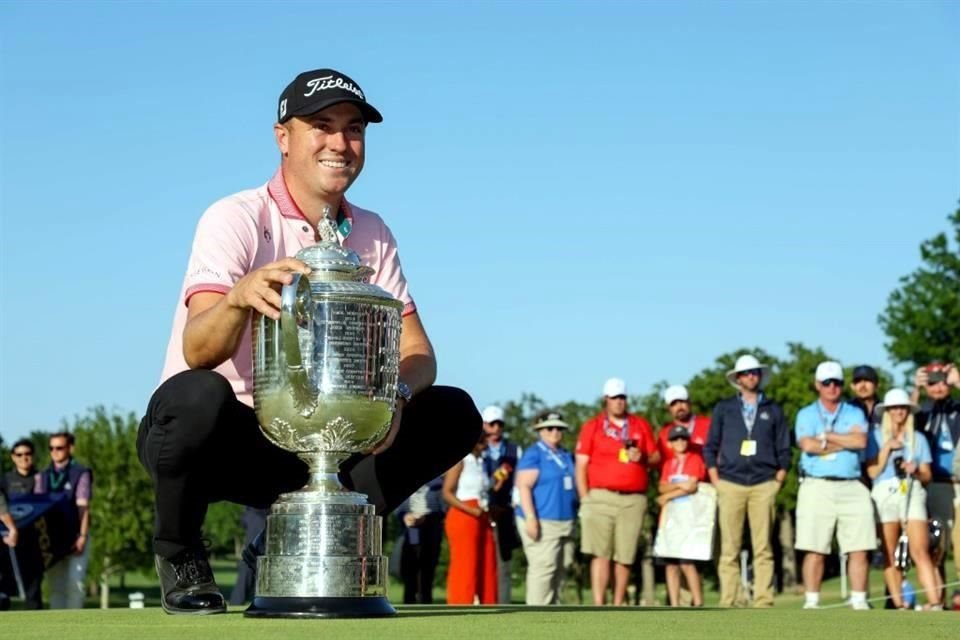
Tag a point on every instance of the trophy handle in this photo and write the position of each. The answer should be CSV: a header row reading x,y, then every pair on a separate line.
x,y
295,309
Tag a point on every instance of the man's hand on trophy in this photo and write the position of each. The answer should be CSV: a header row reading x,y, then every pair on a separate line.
x,y
260,290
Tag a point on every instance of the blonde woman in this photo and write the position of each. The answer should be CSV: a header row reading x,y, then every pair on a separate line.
x,y
896,459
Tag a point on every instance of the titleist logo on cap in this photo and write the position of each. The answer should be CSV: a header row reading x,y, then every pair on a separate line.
x,y
330,82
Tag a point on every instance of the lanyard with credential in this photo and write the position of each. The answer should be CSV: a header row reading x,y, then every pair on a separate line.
x,y
553,456
750,417
829,424
624,430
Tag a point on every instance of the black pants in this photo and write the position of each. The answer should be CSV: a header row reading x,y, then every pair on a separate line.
x,y
200,445
418,562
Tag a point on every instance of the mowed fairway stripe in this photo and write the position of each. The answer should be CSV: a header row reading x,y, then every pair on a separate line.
x,y
473,623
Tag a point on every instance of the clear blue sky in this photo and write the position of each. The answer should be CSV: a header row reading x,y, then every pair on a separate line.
x,y
579,190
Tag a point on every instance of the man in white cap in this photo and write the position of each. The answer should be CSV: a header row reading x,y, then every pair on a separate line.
x,y
613,452
500,462
747,455
832,435
677,399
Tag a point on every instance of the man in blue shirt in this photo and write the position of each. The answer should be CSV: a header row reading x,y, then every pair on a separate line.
x,y
833,435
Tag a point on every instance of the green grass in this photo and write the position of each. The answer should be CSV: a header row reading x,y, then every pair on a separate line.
x,y
518,622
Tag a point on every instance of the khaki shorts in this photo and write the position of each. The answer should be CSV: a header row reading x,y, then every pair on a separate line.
x,y
611,524
826,505
892,503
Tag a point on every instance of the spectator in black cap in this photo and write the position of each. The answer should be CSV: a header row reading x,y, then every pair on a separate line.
x,y
200,426
864,387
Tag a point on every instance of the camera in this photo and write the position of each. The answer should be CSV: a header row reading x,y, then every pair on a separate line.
x,y
630,444
898,467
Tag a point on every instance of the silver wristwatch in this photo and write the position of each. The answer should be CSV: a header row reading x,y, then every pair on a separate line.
x,y
404,392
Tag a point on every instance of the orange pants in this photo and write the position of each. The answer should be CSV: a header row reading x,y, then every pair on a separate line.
x,y
473,558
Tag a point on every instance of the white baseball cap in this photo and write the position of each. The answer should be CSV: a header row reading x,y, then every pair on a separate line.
x,y
614,387
674,393
829,370
493,413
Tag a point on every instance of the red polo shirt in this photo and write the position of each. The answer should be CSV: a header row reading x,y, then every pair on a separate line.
x,y
698,437
602,440
692,466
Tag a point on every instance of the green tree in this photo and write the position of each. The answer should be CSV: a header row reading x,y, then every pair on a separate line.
x,y
224,528
922,316
121,509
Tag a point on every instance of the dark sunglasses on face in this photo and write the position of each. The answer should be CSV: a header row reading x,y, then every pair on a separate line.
x,y
551,429
55,448
22,454
750,372
832,382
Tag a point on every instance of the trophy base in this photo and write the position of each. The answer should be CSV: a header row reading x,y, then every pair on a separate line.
x,y
365,607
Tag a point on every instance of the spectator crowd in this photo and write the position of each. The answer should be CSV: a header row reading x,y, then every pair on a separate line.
x,y
878,483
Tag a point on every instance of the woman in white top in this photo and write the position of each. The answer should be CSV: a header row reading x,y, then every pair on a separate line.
x,y
898,462
472,574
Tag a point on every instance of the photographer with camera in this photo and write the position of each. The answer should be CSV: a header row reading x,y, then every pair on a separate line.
x,y
898,462
614,451
939,420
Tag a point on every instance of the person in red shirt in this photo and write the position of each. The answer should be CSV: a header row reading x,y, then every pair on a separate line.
x,y
613,453
679,477
677,400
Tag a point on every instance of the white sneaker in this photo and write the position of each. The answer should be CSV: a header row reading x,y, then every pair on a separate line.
x,y
860,605
811,605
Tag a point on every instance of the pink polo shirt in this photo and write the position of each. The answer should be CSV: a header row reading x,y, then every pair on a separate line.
x,y
250,229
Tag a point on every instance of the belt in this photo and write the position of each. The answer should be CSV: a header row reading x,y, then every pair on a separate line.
x,y
625,493
832,478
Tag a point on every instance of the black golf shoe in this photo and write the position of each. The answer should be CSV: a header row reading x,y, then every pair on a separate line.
x,y
187,584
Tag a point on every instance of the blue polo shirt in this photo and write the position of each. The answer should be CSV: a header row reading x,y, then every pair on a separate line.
x,y
917,451
553,497
813,420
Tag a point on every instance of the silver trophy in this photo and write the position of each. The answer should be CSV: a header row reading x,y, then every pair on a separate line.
x,y
325,387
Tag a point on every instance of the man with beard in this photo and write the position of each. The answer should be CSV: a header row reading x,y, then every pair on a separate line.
x,y
864,387
677,399
747,456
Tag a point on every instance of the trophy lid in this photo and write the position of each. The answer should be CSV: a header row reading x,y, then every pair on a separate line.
x,y
334,259
330,260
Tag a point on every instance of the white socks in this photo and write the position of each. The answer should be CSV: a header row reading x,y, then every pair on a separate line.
x,y
858,596
812,598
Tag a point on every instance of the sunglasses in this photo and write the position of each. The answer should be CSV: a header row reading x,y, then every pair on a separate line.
x,y
551,429
22,454
749,372
55,448
832,382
